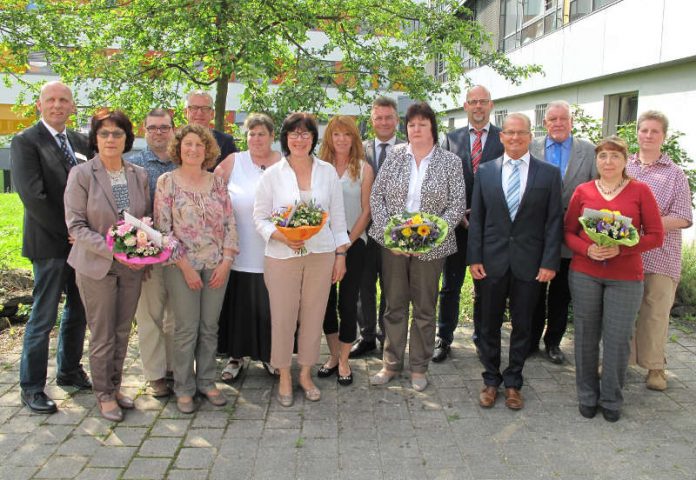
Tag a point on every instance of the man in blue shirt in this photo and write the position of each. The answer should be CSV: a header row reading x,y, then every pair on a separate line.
x,y
575,158
155,318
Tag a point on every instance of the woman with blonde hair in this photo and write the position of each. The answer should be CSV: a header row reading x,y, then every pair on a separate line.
x,y
343,149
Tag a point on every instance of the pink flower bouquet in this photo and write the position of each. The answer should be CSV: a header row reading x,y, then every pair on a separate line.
x,y
136,246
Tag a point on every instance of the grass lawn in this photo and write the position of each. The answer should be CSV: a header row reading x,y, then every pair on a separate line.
x,y
11,213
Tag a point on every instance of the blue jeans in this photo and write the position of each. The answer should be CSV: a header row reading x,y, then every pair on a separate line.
x,y
52,277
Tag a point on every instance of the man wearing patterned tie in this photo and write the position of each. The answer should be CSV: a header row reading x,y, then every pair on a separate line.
x,y
575,157
385,119
42,156
475,144
515,232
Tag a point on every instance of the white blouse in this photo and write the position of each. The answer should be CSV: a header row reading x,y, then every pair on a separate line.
x,y
278,188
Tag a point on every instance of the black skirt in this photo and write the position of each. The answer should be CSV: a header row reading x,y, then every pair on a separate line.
x,y
245,319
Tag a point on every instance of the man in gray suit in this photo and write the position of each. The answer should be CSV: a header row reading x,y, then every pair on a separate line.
x,y
575,157
42,156
385,120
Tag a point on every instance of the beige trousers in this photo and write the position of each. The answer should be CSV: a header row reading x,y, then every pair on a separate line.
x,y
110,304
298,290
648,344
155,326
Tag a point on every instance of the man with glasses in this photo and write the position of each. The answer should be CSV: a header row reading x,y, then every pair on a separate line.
x,y
385,120
515,236
42,156
155,318
575,157
475,144
200,111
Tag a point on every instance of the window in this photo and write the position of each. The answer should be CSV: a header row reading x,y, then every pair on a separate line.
x,y
539,114
580,8
522,21
619,109
500,117
440,68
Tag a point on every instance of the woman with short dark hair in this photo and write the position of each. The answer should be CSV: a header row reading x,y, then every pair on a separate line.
x,y
298,284
193,208
97,194
417,176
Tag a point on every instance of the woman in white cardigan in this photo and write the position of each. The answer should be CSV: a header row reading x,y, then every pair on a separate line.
x,y
298,284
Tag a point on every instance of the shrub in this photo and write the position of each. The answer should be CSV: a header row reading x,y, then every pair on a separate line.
x,y
686,291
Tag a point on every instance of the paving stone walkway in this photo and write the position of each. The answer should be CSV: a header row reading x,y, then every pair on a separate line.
x,y
362,431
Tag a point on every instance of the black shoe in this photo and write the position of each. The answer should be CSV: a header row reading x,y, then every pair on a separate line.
x,y
325,372
39,402
555,355
345,381
588,411
361,348
611,415
77,379
441,351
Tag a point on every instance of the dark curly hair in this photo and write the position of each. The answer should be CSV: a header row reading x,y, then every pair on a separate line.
x,y
119,118
212,150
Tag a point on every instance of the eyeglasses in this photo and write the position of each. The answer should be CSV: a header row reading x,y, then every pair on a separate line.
x,y
516,133
483,102
200,108
302,135
158,128
111,133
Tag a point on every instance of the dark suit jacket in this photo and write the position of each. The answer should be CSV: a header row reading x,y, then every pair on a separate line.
x,y
581,168
370,148
226,143
458,142
90,209
39,175
533,240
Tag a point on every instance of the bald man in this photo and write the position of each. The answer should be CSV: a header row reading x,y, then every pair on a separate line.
x,y
41,157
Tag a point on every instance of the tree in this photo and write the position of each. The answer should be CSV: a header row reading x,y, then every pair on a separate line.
x,y
137,54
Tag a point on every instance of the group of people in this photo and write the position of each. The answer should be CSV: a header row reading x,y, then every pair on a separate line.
x,y
236,286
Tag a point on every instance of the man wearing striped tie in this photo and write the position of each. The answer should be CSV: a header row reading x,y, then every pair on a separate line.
x,y
515,236
475,144
42,156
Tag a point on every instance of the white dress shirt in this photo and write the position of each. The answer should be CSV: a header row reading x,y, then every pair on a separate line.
x,y
415,182
472,136
524,171
378,148
54,134
278,188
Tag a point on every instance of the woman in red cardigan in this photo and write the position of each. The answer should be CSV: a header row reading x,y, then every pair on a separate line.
x,y
606,283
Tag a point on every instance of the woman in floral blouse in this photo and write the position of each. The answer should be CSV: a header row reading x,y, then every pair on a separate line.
x,y
192,206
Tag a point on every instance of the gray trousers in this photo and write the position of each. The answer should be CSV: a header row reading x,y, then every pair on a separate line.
x,y
195,331
408,280
109,305
604,310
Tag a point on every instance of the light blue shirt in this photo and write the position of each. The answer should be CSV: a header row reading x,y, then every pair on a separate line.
x,y
553,152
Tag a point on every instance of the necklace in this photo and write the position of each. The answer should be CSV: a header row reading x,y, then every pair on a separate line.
x,y
115,176
608,191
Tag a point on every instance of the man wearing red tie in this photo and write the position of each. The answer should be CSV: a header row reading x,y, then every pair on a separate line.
x,y
475,144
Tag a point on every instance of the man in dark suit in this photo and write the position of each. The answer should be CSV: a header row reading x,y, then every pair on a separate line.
x,y
41,158
475,144
385,119
515,233
575,157
200,110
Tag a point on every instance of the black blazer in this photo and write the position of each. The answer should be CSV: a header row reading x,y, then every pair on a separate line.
x,y
458,142
533,240
226,143
39,175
